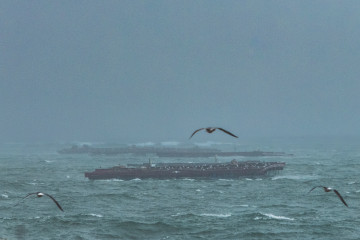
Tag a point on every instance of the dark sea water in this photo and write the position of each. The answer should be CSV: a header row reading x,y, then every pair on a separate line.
x,y
277,207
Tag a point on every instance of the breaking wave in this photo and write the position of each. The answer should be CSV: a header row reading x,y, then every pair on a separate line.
x,y
296,177
216,215
272,216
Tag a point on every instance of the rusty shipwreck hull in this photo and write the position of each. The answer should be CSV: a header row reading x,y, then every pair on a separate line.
x,y
232,169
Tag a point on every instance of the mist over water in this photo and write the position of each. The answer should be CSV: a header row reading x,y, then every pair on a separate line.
x,y
277,207
281,75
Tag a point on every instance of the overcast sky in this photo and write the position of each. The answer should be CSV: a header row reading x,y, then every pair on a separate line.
x,y
132,71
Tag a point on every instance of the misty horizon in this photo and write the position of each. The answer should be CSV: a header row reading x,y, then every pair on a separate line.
x,y
137,71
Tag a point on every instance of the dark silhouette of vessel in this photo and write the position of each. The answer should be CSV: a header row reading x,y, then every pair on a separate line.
x,y
233,169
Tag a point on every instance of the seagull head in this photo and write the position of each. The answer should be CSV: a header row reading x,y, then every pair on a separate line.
x,y
40,194
210,129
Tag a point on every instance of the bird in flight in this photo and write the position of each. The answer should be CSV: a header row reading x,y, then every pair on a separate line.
x,y
327,189
212,129
40,194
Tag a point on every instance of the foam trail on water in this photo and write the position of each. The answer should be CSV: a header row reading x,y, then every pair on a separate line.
x,y
272,216
215,215
295,177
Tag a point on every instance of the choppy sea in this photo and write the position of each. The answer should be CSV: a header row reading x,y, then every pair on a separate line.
x,y
277,207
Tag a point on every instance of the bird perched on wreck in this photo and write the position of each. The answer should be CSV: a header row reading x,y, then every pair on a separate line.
x,y
212,129
40,194
327,189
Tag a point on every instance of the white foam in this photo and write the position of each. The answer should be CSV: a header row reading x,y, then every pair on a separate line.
x,y
4,195
215,215
272,216
95,215
118,180
178,214
188,179
225,179
294,177
218,215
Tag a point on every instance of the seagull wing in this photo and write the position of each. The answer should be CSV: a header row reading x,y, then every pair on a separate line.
x,y
54,201
29,194
227,132
341,198
314,188
196,132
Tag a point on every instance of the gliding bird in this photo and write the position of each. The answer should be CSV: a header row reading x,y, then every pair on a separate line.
x,y
327,189
212,129
40,194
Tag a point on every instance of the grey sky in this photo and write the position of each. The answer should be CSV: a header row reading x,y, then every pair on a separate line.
x,y
156,70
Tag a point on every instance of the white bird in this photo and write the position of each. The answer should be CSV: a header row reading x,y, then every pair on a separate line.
x,y
212,129
40,194
327,189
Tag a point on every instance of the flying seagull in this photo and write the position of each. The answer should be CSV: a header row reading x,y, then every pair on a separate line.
x,y
327,189
212,129
40,194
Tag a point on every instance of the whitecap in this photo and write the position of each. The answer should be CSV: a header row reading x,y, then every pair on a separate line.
x,y
272,216
189,179
95,215
119,180
215,215
178,214
49,161
295,177
135,179
4,195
